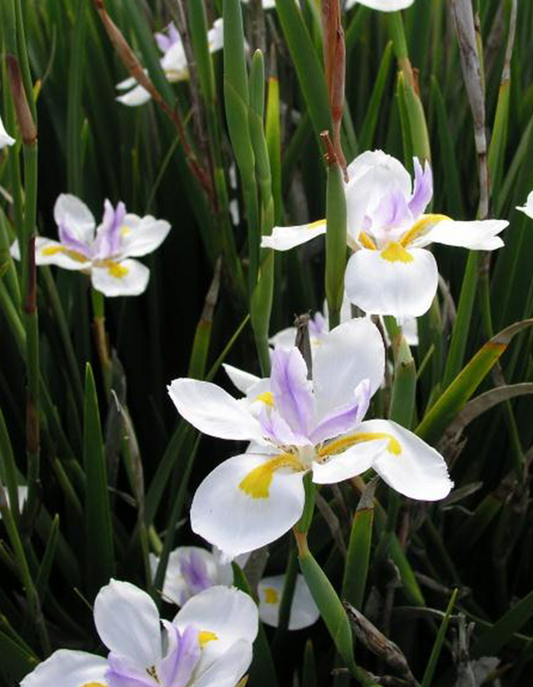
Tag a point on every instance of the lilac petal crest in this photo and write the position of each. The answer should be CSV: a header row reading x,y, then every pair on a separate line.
x,y
71,243
392,211
275,428
122,674
108,240
345,418
293,398
177,667
318,325
194,571
423,188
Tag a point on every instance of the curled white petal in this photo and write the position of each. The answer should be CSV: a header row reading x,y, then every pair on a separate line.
x,y
137,96
71,212
124,278
213,411
127,621
351,462
5,138
382,5
381,287
285,238
142,235
68,669
418,472
348,354
226,515
243,381
476,235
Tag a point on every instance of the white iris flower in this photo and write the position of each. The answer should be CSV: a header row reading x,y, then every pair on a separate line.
x,y
105,251
208,643
298,426
5,138
173,62
391,272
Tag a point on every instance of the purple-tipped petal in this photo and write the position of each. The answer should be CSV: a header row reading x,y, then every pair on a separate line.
x,y
177,667
275,428
194,571
392,211
292,391
68,240
423,189
108,239
122,674
345,418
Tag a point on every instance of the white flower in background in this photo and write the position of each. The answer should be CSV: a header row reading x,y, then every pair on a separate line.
x,y
208,643
318,328
267,4
5,138
296,426
190,570
304,611
193,569
527,209
173,62
381,5
105,251
391,272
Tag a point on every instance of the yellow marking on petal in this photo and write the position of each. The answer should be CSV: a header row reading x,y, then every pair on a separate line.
x,y
205,636
395,252
267,398
271,595
257,482
125,231
54,250
420,227
93,684
318,223
115,269
367,241
340,445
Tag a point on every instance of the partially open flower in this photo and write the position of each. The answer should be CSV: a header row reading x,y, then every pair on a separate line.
x,y
209,642
391,272
105,251
173,62
299,426
304,611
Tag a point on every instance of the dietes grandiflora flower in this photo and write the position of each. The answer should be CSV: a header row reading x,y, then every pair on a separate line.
x,y
297,426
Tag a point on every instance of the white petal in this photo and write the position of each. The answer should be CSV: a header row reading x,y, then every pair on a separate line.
x,y
126,84
382,5
225,515
215,36
5,138
127,621
354,461
137,96
304,611
348,354
225,611
227,669
284,338
477,235
382,287
114,281
418,472
142,235
48,252
72,213
68,669
528,207
213,411
243,381
285,238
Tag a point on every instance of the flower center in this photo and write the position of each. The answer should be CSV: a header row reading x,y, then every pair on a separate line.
x,y
271,595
